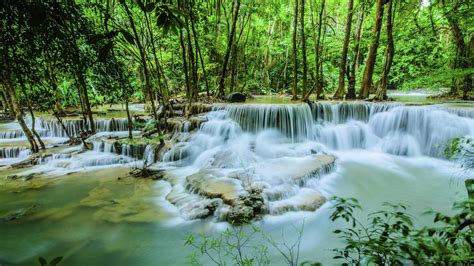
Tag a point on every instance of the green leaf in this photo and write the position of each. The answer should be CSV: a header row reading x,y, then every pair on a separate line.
x,y
42,261
128,36
55,261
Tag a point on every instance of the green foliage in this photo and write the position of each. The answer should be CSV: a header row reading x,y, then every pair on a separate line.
x,y
233,245
53,262
389,237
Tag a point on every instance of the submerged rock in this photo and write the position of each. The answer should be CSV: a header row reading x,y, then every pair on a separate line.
x,y
18,214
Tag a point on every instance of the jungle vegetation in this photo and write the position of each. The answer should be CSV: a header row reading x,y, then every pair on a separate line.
x,y
61,54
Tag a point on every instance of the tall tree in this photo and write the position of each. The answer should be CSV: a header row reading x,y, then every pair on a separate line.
x,y
303,50
235,14
381,93
452,12
295,52
372,54
340,88
351,73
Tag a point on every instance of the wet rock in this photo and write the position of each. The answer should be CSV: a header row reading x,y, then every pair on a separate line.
x,y
247,207
236,97
29,177
18,214
240,214
12,177
209,184
306,200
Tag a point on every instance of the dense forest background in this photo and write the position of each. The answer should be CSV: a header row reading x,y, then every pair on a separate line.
x,y
57,54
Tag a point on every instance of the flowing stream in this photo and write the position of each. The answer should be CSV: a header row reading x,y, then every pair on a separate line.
x,y
384,153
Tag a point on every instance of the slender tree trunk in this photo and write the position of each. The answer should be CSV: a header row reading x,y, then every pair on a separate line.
x,y
129,120
7,105
196,43
32,114
318,47
351,91
233,68
164,89
340,88
236,7
370,62
185,66
9,90
87,105
146,73
295,52
191,61
381,93
303,50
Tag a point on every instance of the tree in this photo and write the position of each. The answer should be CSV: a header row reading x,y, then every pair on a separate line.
x,y
303,50
230,43
464,49
372,54
381,93
340,89
295,52
351,73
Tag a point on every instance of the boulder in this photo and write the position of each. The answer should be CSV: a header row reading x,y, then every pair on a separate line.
x,y
236,97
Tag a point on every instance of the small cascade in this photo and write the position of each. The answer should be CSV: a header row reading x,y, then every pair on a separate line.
x,y
14,152
11,134
136,151
344,111
294,121
74,127
426,128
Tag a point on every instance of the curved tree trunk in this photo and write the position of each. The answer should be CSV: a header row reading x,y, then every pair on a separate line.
x,y
381,94
340,88
370,62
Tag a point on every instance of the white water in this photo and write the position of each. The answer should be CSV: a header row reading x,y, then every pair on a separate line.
x,y
385,153
266,145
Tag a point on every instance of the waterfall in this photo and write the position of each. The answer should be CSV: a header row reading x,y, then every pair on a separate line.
x,y
346,111
294,121
386,127
14,152
75,126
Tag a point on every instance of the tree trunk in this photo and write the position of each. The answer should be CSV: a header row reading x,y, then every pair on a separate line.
x,y
10,93
462,54
7,105
146,73
185,66
87,105
351,92
340,88
196,43
381,94
303,50
295,53
32,114
129,120
236,7
370,62
317,47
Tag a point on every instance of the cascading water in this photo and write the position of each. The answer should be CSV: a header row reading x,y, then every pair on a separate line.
x,y
273,146
384,153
